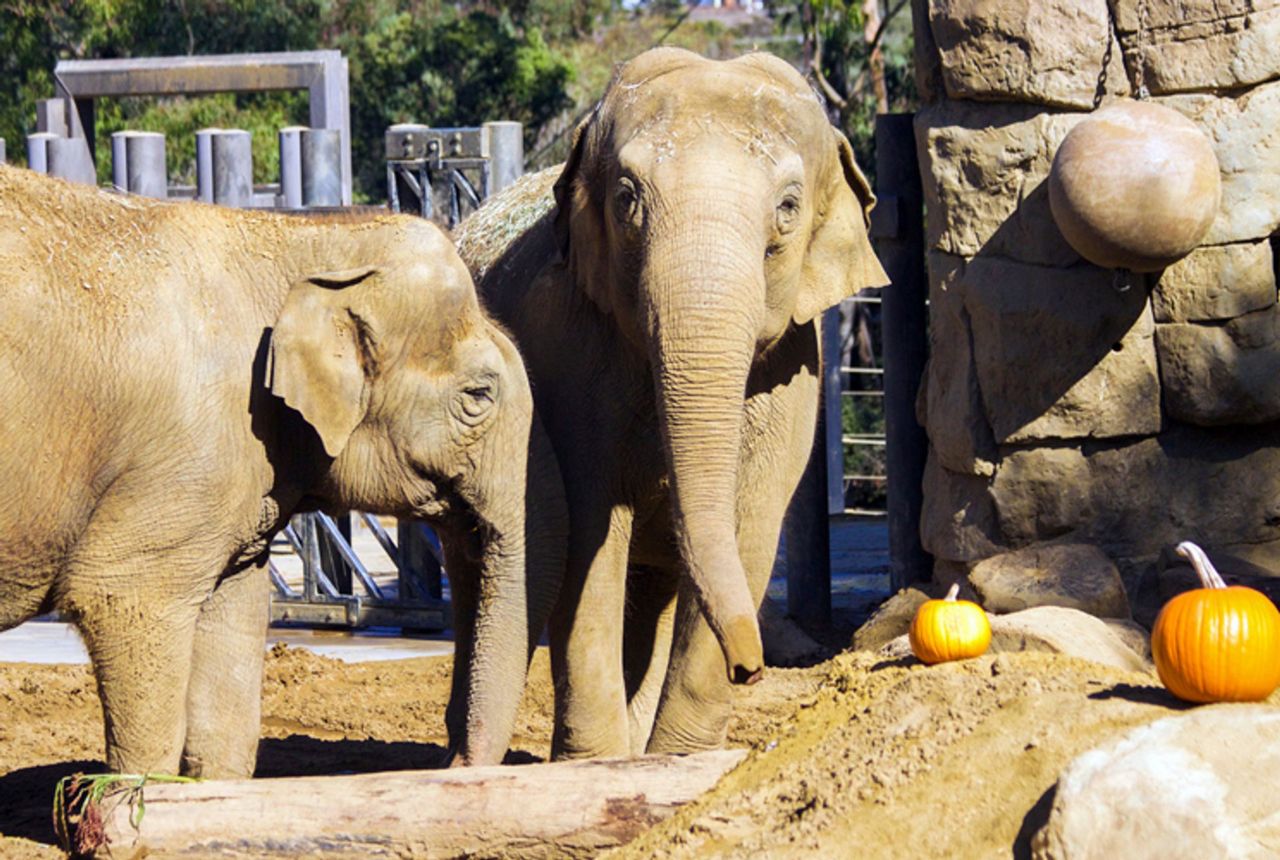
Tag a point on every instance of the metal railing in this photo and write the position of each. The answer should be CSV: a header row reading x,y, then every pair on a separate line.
x,y
862,389
331,569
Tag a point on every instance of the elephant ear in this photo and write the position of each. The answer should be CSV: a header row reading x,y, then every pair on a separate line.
x,y
839,262
322,353
579,221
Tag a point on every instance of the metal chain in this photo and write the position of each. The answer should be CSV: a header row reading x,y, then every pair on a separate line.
x,y
1112,38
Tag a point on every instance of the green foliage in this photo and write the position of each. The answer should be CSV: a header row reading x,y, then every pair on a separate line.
x,y
409,60
836,49
864,415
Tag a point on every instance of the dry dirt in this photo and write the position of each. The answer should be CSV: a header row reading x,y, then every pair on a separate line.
x,y
856,756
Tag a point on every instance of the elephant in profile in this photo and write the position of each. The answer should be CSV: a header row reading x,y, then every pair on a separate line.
x,y
179,379
666,302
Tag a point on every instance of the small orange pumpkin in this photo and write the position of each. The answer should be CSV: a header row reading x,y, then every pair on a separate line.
x,y
1217,643
949,629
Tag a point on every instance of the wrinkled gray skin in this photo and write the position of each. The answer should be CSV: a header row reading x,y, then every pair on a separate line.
x,y
667,312
178,379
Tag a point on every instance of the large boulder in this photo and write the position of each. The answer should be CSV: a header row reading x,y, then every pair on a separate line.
x,y
1060,354
950,399
1200,784
1217,282
1246,140
1201,44
1046,51
1217,486
1222,374
1074,575
984,168
957,518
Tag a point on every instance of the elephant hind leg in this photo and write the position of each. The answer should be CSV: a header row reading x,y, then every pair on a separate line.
x,y
646,647
224,699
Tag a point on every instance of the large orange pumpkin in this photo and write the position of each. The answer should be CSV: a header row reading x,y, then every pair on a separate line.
x,y
949,629
1217,643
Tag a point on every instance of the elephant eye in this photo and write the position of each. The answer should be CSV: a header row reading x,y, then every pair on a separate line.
x,y
788,213
475,401
626,201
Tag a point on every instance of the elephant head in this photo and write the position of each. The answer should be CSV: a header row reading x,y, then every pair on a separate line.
x,y
710,207
425,410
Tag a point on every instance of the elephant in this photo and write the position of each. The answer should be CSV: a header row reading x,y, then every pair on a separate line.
x,y
179,379
665,288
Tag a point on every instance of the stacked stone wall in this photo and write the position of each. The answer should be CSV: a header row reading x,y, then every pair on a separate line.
x,y
1059,408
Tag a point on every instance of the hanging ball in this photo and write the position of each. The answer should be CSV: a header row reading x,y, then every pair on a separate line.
x,y
1135,186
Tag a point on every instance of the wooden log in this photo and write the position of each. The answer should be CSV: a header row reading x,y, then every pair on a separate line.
x,y
563,808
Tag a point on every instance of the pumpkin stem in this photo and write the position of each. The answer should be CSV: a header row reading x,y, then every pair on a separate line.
x,y
953,592
1209,576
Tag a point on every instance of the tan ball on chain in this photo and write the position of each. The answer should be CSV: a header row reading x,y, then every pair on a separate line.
x,y
1134,186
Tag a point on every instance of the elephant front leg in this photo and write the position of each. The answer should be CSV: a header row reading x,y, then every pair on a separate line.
x,y
224,699
139,640
586,638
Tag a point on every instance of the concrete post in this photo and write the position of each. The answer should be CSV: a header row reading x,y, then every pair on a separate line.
x,y
322,167
2,150
506,154
224,166
51,116
291,166
204,164
69,158
138,163
38,151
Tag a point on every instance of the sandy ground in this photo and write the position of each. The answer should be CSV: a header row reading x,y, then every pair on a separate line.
x,y
855,756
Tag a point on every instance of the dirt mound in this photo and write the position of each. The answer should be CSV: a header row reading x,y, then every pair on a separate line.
x,y
896,759
858,756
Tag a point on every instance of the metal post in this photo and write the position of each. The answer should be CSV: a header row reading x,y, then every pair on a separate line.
x,y
321,167
225,175
900,247
68,159
808,537
38,151
291,166
506,154
2,159
417,561
138,163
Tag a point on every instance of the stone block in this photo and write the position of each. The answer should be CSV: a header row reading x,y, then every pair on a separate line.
x,y
1043,51
1075,575
957,519
1245,136
1218,486
984,168
1222,374
1193,785
1060,353
1201,44
953,414
1217,282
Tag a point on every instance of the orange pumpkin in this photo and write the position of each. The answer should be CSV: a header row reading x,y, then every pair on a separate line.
x,y
949,629
1217,643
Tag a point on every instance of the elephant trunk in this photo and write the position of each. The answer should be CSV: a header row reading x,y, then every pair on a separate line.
x,y
523,540
704,309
